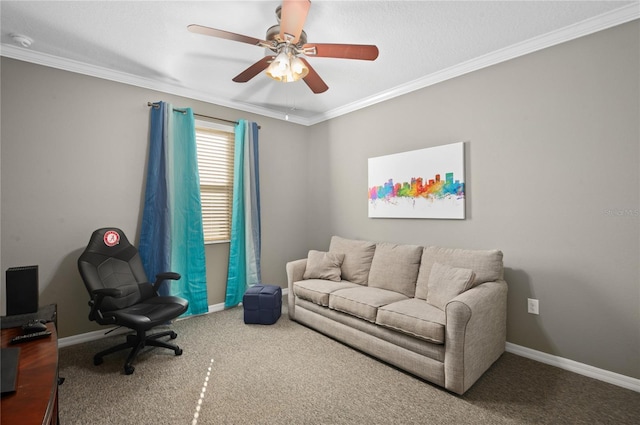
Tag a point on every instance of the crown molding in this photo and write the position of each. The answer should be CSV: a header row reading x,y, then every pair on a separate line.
x,y
78,67
601,22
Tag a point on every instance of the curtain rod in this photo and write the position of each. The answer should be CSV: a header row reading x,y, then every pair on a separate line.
x,y
157,105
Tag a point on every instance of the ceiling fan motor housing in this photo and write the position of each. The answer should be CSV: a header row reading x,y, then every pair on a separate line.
x,y
273,34
286,65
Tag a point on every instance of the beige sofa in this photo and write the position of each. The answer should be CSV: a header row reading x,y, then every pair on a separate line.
x,y
438,313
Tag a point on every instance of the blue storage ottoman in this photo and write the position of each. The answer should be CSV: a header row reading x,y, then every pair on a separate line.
x,y
262,304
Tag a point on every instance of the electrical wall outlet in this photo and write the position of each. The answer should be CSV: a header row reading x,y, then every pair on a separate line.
x,y
532,306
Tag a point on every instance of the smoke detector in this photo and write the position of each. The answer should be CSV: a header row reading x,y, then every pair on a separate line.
x,y
22,40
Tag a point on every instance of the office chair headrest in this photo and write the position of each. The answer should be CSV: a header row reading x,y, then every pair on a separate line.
x,y
111,242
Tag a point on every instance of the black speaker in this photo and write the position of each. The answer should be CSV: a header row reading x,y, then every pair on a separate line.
x,y
22,290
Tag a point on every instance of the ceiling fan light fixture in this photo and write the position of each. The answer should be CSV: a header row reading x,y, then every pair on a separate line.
x,y
279,67
287,67
284,42
298,67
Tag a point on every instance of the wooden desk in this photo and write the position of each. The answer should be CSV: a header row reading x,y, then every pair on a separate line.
x,y
36,398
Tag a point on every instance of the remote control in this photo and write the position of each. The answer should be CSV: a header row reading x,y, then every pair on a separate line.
x,y
29,337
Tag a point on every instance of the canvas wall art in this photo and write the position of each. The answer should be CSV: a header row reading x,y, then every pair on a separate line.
x,y
425,183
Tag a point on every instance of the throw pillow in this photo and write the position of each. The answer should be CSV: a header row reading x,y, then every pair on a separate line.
x,y
446,282
323,265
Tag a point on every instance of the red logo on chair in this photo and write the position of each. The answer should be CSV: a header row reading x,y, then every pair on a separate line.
x,y
111,238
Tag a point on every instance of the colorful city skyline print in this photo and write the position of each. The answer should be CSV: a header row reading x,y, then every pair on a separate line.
x,y
425,183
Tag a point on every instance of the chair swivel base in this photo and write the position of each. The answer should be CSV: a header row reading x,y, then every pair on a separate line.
x,y
136,343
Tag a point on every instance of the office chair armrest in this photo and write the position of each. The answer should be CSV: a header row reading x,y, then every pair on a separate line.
x,y
96,300
99,294
168,275
161,277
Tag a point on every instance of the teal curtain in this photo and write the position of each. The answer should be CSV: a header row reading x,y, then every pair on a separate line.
x,y
244,251
172,237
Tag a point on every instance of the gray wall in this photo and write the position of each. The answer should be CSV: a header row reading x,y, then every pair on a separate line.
x,y
552,160
552,169
74,150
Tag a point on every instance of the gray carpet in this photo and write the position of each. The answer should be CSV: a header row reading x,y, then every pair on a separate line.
x,y
232,373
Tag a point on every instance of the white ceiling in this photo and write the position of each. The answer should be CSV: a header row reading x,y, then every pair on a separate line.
x,y
146,43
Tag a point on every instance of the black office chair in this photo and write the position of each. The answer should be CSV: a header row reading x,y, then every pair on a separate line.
x,y
121,295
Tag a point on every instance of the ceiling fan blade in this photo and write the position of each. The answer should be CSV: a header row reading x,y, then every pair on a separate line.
x,y
292,17
342,51
313,80
253,70
199,29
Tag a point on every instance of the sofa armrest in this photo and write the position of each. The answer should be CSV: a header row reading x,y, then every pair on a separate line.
x,y
295,271
476,331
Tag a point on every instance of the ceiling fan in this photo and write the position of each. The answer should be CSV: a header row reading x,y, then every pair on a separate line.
x,y
288,42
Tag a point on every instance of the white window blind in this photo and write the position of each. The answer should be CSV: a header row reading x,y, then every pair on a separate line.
x,y
215,145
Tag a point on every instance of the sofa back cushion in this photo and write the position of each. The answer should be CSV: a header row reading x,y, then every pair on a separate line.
x,y
357,258
486,264
395,267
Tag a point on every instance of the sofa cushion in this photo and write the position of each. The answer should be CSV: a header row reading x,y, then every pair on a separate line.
x,y
446,282
486,264
317,290
323,265
395,267
362,302
414,317
357,258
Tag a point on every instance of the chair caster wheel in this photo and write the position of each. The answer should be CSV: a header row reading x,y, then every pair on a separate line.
x,y
97,361
178,351
128,369
173,335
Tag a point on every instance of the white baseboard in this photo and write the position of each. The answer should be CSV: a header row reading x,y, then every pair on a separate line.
x,y
220,306
216,307
90,336
95,335
566,364
573,366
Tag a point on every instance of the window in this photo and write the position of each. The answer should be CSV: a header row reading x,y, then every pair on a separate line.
x,y
215,164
